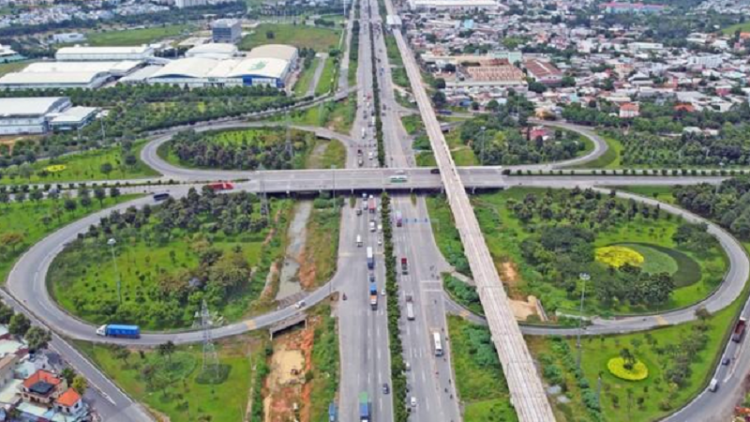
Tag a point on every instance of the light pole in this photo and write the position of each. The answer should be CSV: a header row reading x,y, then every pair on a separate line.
x,y
112,242
333,175
484,140
584,277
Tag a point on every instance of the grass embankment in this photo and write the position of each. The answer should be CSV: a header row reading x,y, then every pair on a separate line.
x,y
31,221
610,159
333,155
412,123
398,72
85,166
480,381
326,81
171,385
661,193
322,244
135,37
300,36
446,233
504,234
306,78
697,344
335,115
325,364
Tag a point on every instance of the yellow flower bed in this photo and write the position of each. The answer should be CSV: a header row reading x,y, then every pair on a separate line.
x,y
616,367
617,256
56,168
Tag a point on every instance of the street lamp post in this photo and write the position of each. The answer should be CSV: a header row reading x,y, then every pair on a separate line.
x,y
584,277
112,242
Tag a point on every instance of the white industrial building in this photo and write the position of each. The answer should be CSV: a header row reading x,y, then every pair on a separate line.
x,y
452,4
36,115
83,53
196,72
213,51
275,51
7,54
85,75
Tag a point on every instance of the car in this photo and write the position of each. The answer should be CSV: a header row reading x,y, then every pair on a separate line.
x,y
380,242
407,366
372,277
299,304
382,292
434,171
413,401
725,361
359,211
386,389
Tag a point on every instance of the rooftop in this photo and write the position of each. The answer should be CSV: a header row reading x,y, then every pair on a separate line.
x,y
43,377
27,107
273,51
79,49
69,398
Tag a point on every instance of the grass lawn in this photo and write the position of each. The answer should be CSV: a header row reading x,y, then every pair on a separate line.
x,y
412,123
306,78
176,390
134,37
322,245
28,219
300,36
86,166
730,30
662,193
652,398
426,159
325,364
6,68
446,234
335,115
325,84
334,155
504,244
480,382
83,277
610,159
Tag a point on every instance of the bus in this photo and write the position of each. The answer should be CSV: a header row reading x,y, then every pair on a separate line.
x,y
399,178
438,344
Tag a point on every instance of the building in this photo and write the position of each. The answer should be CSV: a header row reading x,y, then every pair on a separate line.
x,y
83,53
73,118
70,403
195,72
68,38
629,110
29,115
226,31
7,54
423,5
84,75
487,74
43,387
213,51
544,72
616,7
181,4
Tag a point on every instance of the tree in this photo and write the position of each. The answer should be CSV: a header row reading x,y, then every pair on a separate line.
x,y
166,350
439,83
100,194
70,205
121,352
37,338
114,192
36,195
12,239
80,384
25,170
68,374
270,35
85,201
106,169
19,325
6,313
537,87
438,99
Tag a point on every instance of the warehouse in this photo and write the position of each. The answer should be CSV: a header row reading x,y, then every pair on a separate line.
x,y
275,51
81,53
85,75
196,72
213,51
453,4
30,115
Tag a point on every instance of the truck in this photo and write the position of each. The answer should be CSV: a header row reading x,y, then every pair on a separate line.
x,y
370,258
372,226
399,219
404,266
218,186
409,308
371,205
161,196
373,296
372,121
739,330
119,330
364,407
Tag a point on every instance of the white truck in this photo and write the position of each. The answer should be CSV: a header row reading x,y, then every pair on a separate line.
x,y
409,308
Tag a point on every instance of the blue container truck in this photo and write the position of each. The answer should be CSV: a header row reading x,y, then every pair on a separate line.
x,y
119,330
364,408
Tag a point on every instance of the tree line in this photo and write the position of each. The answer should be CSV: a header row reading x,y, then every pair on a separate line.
x,y
728,204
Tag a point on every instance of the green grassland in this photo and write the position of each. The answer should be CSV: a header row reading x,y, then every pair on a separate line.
x,y
412,123
481,385
325,364
35,220
650,399
82,278
610,159
176,389
662,193
134,37
306,78
325,84
87,166
504,244
730,30
6,68
335,115
300,36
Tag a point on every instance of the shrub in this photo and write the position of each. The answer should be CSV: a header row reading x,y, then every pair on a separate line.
x,y
616,367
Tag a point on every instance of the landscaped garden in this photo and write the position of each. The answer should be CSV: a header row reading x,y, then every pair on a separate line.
x,y
29,218
639,258
252,149
480,382
120,162
170,257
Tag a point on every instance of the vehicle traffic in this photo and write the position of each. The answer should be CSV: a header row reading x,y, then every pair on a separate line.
x,y
119,330
364,407
370,258
399,178
438,344
404,266
373,296
161,196
409,308
739,330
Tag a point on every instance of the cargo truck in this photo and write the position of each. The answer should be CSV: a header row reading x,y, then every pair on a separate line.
x,y
221,186
373,296
118,330
161,196
409,308
404,266
364,408
370,258
739,330
371,205
399,219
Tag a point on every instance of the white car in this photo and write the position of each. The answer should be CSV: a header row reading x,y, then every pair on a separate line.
x,y
299,304
380,242
413,401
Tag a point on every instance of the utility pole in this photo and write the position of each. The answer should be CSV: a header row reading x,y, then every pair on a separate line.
x,y
484,140
289,148
263,197
112,242
584,277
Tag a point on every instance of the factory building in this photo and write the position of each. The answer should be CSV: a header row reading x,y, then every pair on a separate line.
x,y
422,5
198,72
84,75
39,115
213,51
226,31
82,53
